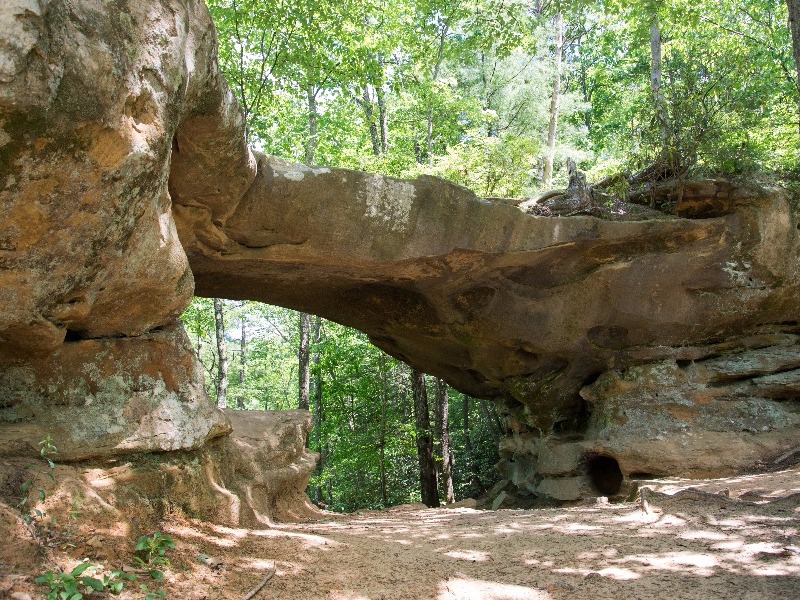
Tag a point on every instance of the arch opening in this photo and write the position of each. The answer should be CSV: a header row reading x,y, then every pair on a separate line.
x,y
605,474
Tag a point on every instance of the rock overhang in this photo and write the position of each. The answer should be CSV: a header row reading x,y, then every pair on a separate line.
x,y
126,181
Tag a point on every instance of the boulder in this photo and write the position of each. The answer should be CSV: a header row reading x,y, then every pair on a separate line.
x,y
250,481
95,104
105,397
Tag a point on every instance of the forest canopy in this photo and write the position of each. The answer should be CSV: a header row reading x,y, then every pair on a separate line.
x,y
494,95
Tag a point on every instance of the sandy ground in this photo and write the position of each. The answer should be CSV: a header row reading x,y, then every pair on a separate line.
x,y
741,544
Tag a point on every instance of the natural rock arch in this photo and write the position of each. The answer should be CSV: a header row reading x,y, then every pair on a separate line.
x,y
668,343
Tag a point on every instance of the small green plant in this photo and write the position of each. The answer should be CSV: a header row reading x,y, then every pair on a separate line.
x,y
76,584
29,514
115,581
152,594
71,585
151,551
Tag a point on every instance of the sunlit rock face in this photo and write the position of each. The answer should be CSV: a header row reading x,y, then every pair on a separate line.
x,y
621,337
532,310
109,396
91,96
123,164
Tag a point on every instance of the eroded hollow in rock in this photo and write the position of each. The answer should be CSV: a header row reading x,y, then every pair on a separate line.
x,y
605,474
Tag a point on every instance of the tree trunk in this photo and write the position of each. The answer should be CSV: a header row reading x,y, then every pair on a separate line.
x,y
382,430
472,465
319,413
311,143
443,431
656,89
555,101
427,466
222,373
303,361
429,135
369,114
434,76
490,423
383,118
242,365
305,318
794,27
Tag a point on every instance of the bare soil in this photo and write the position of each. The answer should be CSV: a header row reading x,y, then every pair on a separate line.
x,y
742,543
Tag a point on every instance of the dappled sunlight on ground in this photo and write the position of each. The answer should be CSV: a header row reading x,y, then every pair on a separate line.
x,y
464,587
691,545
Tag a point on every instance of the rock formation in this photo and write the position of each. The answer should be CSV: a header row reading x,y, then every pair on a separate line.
x,y
619,341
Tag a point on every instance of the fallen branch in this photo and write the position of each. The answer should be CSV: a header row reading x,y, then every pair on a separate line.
x,y
261,584
786,455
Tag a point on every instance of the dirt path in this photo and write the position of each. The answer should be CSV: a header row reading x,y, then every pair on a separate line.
x,y
743,543
691,545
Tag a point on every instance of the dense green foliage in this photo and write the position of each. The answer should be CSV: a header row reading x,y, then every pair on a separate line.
x,y
462,89
361,399
466,89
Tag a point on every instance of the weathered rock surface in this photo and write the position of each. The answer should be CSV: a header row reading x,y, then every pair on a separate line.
x,y
609,338
109,396
266,467
524,309
250,480
92,97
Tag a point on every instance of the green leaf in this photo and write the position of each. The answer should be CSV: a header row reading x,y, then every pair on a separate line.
x,y
93,583
80,569
156,574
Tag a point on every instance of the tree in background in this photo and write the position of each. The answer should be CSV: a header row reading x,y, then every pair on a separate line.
x,y
362,400
793,10
222,360
488,94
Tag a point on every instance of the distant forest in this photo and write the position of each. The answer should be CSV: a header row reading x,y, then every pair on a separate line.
x,y
494,95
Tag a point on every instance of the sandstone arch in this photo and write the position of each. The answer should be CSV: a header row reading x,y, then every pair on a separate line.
x,y
125,182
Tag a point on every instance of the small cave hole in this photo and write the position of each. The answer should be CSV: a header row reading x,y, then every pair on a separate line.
x,y
638,476
683,363
605,474
73,336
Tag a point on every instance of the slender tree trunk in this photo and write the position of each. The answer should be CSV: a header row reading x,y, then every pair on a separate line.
x,y
794,28
222,373
303,361
319,412
242,365
472,465
369,114
305,318
315,383
490,423
443,431
418,152
657,90
311,143
555,102
382,430
434,76
429,135
427,466
437,431
383,118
